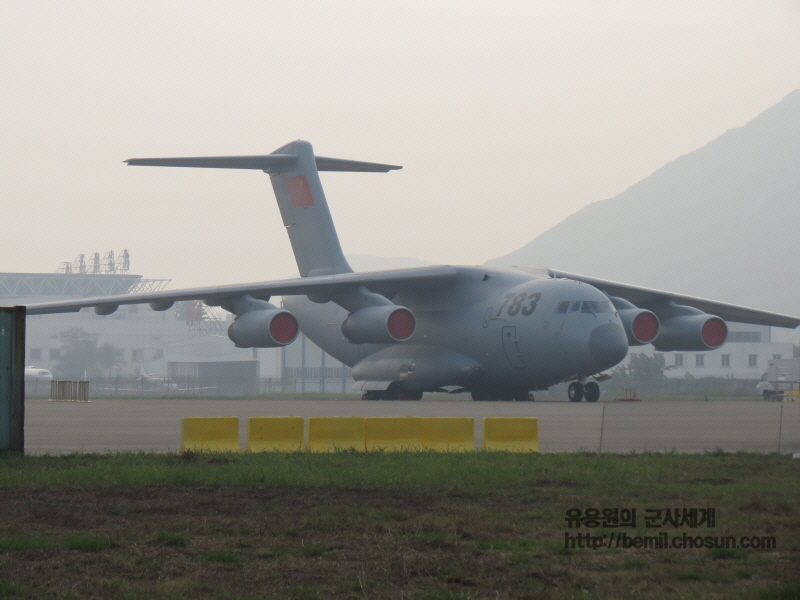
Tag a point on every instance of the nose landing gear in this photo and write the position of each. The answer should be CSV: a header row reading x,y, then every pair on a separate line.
x,y
394,392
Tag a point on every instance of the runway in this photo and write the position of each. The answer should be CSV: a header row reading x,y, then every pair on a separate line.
x,y
609,427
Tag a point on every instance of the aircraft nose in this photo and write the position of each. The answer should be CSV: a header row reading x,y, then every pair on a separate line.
x,y
608,345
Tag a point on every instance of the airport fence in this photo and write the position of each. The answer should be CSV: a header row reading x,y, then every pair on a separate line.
x,y
197,386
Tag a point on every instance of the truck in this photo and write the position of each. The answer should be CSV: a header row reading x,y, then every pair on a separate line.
x,y
781,379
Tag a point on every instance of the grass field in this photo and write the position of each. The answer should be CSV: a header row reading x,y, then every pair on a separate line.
x,y
390,525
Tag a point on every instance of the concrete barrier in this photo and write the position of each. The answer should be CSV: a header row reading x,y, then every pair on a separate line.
x,y
511,434
331,434
210,434
448,434
392,434
274,434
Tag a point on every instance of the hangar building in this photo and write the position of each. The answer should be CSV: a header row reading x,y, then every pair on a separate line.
x,y
188,342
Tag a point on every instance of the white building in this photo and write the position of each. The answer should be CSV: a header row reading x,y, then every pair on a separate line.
x,y
150,341
743,356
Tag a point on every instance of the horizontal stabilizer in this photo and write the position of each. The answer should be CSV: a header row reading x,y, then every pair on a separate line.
x,y
355,166
270,163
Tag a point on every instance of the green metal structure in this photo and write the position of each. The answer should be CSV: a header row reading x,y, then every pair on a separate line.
x,y
12,378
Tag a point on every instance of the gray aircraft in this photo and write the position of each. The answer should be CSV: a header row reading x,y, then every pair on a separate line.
x,y
499,333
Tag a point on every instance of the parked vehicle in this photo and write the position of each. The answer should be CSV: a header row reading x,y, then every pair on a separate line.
x,y
781,378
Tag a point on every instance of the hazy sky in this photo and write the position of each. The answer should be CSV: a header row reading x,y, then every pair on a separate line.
x,y
507,117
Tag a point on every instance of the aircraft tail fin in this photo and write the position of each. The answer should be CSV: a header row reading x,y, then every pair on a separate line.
x,y
294,171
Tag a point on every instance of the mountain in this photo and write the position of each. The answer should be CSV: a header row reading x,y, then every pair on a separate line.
x,y
722,222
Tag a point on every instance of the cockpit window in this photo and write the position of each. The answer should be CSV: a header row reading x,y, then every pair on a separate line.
x,y
589,307
597,307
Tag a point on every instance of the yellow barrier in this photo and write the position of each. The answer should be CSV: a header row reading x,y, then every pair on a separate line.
x,y
791,396
212,434
393,433
274,434
448,434
512,434
329,434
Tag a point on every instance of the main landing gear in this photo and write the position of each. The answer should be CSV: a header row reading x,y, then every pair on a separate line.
x,y
578,391
393,393
495,395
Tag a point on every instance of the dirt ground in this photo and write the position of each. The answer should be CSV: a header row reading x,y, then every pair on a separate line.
x,y
99,540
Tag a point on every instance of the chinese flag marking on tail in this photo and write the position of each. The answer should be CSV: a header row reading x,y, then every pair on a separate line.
x,y
299,191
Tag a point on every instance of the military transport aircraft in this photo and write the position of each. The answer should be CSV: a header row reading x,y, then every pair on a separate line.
x,y
499,333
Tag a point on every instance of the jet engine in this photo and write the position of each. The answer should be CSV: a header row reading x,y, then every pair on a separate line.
x,y
379,325
641,326
265,328
691,332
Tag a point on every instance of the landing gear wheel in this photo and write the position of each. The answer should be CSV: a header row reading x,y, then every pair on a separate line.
x,y
522,396
575,391
485,396
391,393
591,392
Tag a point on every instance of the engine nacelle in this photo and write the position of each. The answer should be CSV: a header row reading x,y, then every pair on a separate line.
x,y
106,309
379,325
696,332
641,326
162,305
266,328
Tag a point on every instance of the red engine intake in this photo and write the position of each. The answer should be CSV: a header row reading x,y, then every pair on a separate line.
x,y
641,326
714,332
268,328
379,325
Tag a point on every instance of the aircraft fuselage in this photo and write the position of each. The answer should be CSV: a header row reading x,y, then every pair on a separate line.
x,y
494,329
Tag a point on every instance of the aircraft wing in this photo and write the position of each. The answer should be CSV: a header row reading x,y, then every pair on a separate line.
x,y
650,299
382,282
